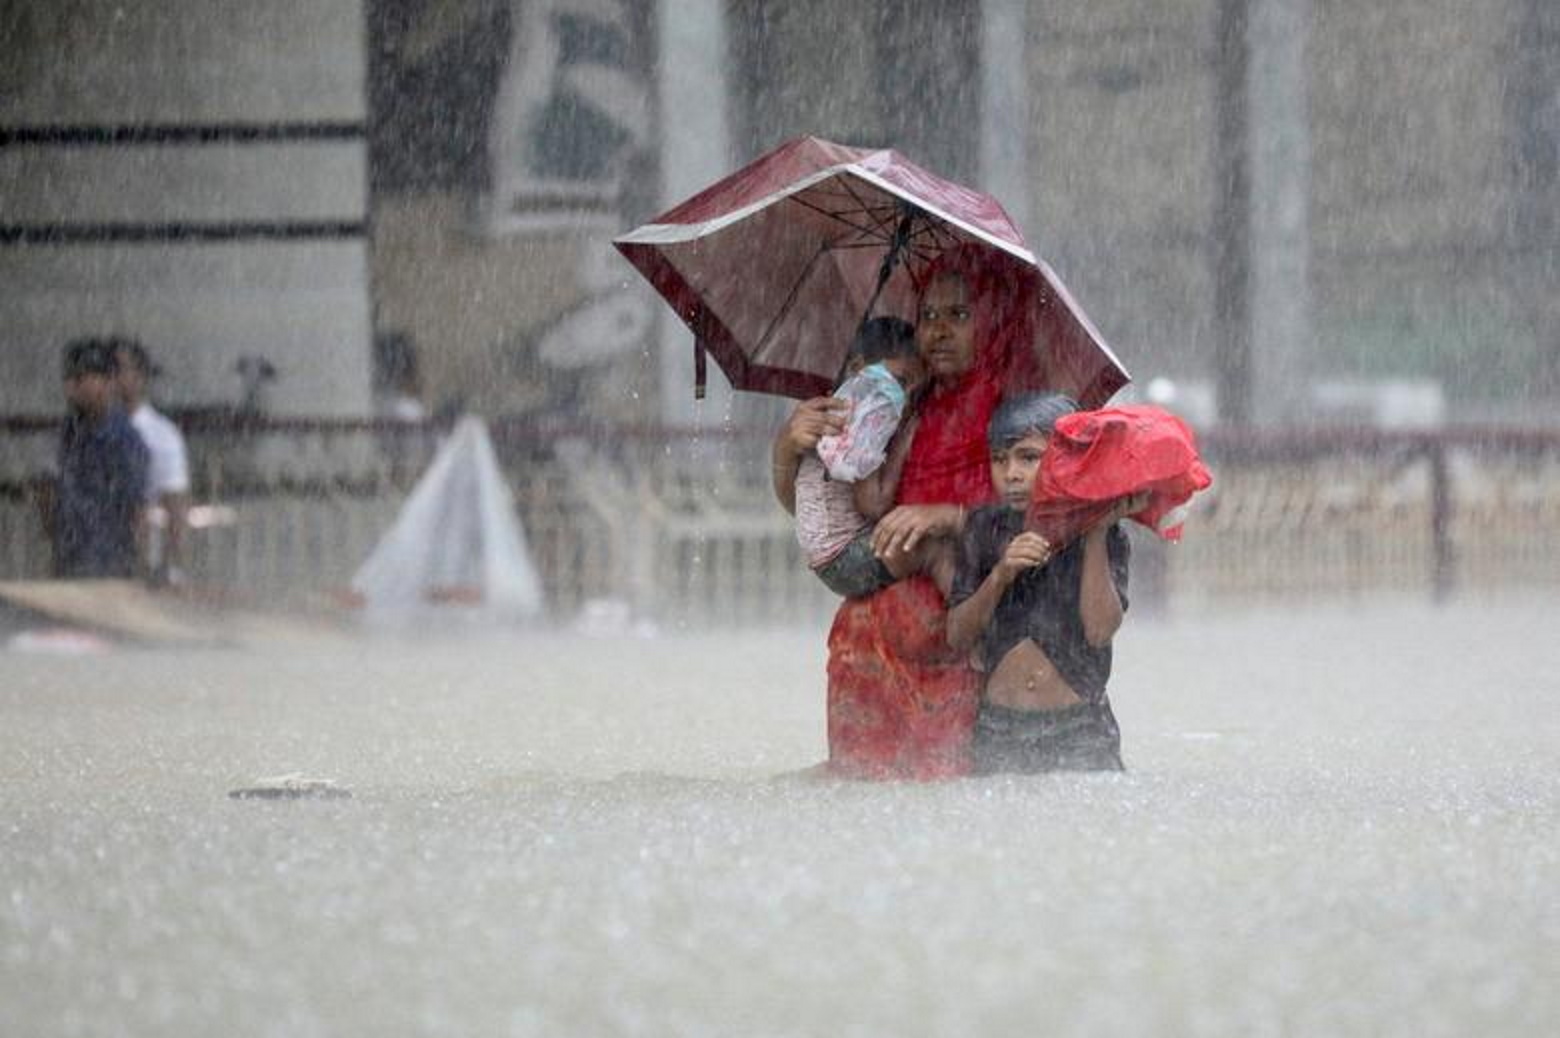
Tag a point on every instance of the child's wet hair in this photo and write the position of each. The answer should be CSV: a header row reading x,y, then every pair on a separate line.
x,y
881,338
1027,414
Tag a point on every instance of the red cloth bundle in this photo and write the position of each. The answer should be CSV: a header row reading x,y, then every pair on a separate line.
x,y
1095,458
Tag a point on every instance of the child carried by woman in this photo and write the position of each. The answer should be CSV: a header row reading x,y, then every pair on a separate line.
x,y
846,484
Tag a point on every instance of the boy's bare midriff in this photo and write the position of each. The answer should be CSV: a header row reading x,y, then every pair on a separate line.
x,y
1026,679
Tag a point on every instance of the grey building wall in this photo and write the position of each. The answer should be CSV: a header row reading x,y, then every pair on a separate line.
x,y
1424,260
1433,140
192,173
1123,171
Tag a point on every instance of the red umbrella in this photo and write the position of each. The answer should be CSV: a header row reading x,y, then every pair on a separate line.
x,y
774,267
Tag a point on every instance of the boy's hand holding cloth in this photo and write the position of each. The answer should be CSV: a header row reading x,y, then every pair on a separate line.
x,y
1096,458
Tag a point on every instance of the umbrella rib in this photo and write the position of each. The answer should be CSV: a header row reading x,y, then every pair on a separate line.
x,y
869,230
893,209
790,300
923,255
936,230
841,245
881,214
862,205
933,238
845,189
933,230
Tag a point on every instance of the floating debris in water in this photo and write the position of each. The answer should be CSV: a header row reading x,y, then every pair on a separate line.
x,y
292,787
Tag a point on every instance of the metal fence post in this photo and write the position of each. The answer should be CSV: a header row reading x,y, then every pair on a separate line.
x,y
1443,576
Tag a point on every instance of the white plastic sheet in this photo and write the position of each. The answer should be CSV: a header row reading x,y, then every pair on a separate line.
x,y
457,548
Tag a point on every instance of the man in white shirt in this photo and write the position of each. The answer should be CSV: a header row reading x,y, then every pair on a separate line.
x,y
168,476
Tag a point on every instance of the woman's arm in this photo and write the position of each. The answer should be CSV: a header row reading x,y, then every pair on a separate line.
x,y
970,617
907,525
809,422
1098,603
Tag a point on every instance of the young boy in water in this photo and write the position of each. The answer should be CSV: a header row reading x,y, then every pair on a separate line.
x,y
849,481
1042,616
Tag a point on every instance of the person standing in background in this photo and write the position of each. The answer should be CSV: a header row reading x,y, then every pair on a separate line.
x,y
102,470
166,516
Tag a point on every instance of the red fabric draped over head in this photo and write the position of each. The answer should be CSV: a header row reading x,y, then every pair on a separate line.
x,y
947,463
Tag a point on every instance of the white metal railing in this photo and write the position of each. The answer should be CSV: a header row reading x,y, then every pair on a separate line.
x,y
684,531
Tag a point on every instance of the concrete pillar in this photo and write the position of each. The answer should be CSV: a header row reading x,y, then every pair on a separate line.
x,y
695,142
1005,121
1279,143
1535,97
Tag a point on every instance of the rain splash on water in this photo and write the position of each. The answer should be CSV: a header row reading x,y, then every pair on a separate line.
x,y
1348,832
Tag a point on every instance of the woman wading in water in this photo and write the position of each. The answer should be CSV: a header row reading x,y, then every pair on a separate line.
x,y
901,701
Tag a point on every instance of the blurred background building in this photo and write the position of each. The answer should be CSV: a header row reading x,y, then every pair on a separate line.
x,y
195,175
1293,213
1248,195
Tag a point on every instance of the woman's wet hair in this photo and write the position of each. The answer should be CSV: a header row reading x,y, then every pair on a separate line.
x,y
883,337
1025,415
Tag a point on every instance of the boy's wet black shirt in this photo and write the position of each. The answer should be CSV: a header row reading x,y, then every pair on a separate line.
x,y
1043,603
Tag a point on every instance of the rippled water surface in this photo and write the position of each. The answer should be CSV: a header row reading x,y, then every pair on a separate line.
x,y
1337,820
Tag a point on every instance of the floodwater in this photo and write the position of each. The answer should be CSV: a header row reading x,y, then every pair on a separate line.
x,y
1337,821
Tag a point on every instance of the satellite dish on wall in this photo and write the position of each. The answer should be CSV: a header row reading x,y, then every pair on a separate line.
x,y
599,329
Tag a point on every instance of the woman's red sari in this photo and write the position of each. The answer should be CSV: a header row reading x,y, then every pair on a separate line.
x,y
901,702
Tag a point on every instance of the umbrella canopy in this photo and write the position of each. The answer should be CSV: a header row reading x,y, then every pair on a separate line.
x,y
774,267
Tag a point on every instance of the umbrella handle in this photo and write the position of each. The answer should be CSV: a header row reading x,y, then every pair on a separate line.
x,y
896,248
